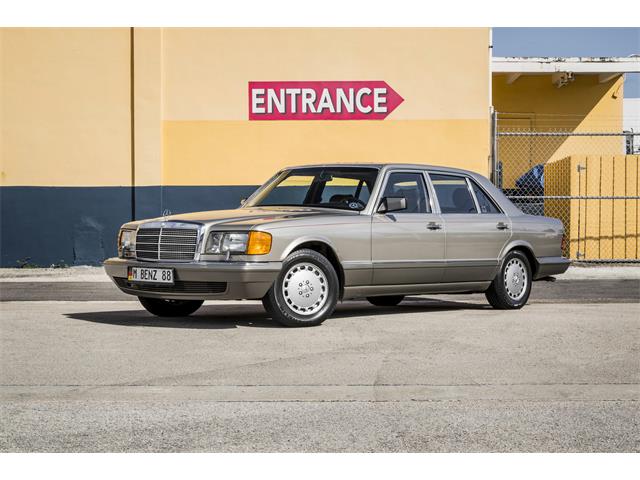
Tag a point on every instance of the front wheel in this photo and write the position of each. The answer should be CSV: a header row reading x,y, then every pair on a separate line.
x,y
170,308
305,292
512,286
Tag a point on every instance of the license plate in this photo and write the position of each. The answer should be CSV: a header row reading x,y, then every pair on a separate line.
x,y
150,275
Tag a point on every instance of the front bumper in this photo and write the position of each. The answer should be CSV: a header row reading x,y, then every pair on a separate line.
x,y
199,280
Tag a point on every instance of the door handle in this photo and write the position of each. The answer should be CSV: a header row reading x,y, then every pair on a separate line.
x,y
502,226
434,226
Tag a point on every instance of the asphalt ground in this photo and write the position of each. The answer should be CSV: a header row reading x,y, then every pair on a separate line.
x,y
85,368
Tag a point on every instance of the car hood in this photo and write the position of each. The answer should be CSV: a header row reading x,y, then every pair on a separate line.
x,y
245,217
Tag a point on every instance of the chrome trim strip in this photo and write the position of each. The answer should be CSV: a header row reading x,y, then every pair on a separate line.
x,y
169,224
489,262
357,264
409,264
435,263
200,266
473,195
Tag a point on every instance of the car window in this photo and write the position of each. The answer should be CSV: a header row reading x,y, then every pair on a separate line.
x,y
410,186
486,204
347,188
292,190
453,194
340,189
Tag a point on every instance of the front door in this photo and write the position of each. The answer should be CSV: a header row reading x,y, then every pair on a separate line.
x,y
407,245
476,228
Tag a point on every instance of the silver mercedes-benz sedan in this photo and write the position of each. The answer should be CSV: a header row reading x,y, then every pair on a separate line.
x,y
315,235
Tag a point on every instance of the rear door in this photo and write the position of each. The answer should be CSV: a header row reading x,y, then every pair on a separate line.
x,y
408,245
477,229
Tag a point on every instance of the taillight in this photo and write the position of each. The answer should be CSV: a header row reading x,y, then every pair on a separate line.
x,y
563,243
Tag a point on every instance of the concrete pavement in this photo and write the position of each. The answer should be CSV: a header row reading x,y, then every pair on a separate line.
x,y
442,373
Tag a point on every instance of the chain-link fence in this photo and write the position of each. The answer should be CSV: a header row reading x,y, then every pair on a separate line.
x,y
584,173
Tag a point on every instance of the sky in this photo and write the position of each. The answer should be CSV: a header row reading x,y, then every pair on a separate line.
x,y
571,42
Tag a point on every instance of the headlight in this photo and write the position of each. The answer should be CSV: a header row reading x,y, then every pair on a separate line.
x,y
252,243
127,243
220,242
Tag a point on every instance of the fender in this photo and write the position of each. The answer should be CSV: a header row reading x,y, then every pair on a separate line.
x,y
306,239
524,245
511,244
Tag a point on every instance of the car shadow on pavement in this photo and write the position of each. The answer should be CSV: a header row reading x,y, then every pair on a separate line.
x,y
252,315
359,308
207,317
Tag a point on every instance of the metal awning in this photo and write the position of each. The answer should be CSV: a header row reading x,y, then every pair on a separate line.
x,y
563,68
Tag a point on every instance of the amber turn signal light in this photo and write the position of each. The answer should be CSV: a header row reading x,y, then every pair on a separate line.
x,y
259,243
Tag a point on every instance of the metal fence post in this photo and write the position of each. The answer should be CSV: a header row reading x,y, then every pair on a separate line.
x,y
494,148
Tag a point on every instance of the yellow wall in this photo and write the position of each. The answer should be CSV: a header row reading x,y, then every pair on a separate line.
x,y
74,111
147,89
534,103
598,229
247,153
65,103
583,103
442,74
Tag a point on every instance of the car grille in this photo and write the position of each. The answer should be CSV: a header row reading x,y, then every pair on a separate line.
x,y
166,243
177,287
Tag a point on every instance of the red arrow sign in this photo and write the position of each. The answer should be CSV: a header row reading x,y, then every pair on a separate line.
x,y
357,100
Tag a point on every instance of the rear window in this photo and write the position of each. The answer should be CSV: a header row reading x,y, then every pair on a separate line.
x,y
486,204
453,194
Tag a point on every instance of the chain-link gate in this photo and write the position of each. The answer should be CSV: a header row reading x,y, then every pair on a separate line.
x,y
587,175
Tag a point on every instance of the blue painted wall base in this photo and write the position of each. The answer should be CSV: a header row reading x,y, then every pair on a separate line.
x,y
42,226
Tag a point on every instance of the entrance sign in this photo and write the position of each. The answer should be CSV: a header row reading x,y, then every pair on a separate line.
x,y
354,100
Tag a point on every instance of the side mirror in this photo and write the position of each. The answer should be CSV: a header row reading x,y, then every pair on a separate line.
x,y
392,204
243,201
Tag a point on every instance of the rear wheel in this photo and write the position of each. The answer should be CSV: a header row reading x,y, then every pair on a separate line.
x,y
170,308
305,292
512,286
386,301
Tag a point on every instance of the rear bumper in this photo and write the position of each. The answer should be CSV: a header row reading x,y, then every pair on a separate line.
x,y
548,266
200,280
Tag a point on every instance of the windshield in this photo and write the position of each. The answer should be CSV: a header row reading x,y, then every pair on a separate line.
x,y
347,188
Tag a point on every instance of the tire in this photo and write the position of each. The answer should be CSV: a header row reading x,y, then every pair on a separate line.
x,y
170,308
266,303
312,300
386,301
511,288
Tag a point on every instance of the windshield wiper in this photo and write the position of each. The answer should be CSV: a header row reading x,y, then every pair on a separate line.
x,y
333,206
305,205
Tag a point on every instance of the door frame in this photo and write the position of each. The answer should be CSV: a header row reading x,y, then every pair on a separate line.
x,y
473,263
434,210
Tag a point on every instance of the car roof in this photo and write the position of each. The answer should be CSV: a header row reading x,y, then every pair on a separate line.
x,y
385,166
